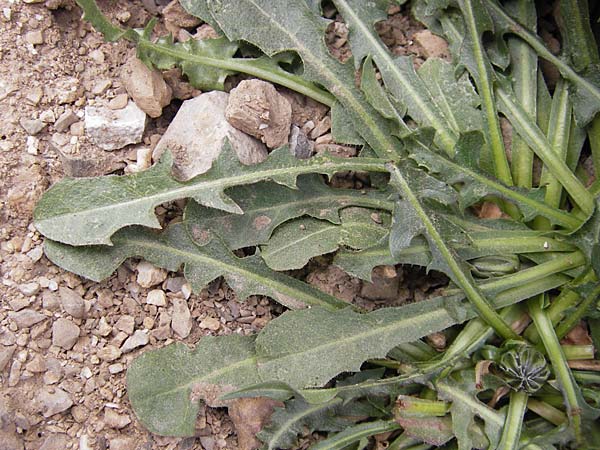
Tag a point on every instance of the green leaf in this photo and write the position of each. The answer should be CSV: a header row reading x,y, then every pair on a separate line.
x,y
307,348
165,386
485,238
530,132
296,242
585,85
354,434
299,417
205,62
456,98
477,22
276,26
412,218
576,31
461,391
475,185
380,99
201,264
166,54
587,238
103,205
267,205
397,72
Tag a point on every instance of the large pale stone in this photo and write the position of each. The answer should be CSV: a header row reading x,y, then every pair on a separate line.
x,y
114,129
197,134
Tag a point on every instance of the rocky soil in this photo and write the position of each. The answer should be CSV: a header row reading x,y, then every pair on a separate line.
x,y
73,105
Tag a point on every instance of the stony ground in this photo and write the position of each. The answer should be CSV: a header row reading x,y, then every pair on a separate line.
x,y
65,342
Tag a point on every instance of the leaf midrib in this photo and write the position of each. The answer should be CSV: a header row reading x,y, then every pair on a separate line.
x,y
229,268
374,330
222,184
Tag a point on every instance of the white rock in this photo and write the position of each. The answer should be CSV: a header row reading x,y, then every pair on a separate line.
x,y
55,441
29,289
116,368
65,120
64,333
54,402
114,129
181,321
139,339
156,297
6,354
71,302
149,275
197,133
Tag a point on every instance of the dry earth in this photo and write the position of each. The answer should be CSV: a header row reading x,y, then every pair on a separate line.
x,y
65,342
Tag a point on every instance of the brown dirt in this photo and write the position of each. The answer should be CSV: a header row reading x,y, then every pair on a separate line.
x,y
52,63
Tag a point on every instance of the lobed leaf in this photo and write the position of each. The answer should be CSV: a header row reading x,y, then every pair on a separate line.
x,y
106,204
201,264
299,417
267,205
397,72
475,185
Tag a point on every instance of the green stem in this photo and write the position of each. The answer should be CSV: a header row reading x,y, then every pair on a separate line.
x,y
485,89
573,318
525,74
246,66
403,442
558,361
465,282
514,421
594,140
409,406
536,43
566,300
354,434
577,352
548,412
529,131
586,377
558,138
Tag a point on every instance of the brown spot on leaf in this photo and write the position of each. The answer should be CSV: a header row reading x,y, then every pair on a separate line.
x,y
262,222
200,235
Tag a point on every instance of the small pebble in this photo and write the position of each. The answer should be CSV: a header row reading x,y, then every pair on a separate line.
x,y
109,353
149,275
29,289
210,323
34,37
64,333
139,339
156,297
119,102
